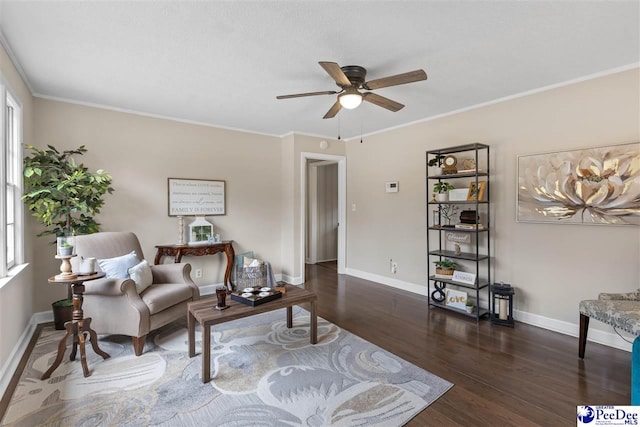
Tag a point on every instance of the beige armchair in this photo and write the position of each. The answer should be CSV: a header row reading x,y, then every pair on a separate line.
x,y
115,305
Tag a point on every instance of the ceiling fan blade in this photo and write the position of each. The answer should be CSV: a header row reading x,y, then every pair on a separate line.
x,y
383,102
398,79
335,72
333,110
299,95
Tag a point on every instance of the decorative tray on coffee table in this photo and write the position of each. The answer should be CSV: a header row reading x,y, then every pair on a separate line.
x,y
256,296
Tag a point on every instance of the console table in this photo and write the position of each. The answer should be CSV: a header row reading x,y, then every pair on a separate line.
x,y
78,327
178,251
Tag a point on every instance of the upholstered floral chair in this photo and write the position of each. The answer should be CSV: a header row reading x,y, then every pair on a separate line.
x,y
134,298
622,311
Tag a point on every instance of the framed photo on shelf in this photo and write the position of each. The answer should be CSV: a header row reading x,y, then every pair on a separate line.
x,y
476,193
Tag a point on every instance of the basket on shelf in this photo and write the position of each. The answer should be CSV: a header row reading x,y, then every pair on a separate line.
x,y
444,271
251,277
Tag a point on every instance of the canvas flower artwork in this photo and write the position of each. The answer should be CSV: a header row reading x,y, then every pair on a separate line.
x,y
591,186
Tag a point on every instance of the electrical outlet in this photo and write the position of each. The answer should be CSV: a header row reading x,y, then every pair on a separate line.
x,y
198,273
394,267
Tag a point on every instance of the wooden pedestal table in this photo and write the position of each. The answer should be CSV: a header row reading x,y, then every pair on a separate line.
x,y
79,327
178,251
206,315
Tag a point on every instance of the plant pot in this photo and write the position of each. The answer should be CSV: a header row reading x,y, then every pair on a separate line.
x,y
64,245
66,250
62,313
442,197
444,271
437,170
469,308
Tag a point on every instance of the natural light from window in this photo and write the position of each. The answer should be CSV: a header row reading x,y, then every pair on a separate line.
x,y
11,180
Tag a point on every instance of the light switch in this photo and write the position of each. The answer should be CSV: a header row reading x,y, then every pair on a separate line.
x,y
353,207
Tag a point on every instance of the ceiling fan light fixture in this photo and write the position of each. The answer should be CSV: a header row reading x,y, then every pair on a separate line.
x,y
350,99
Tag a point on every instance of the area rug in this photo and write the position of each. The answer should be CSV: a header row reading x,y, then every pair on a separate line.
x,y
263,374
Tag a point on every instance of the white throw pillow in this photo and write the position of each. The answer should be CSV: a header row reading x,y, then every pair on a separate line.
x,y
142,275
117,268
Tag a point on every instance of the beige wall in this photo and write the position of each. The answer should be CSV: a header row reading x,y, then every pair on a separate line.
x,y
552,266
261,174
142,152
17,295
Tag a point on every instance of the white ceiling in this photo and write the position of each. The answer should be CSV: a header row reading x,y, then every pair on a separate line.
x,y
223,62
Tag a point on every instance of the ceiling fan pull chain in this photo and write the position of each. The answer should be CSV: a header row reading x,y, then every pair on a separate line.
x,y
338,128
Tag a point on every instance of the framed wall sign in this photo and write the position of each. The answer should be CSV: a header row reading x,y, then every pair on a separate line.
x,y
196,197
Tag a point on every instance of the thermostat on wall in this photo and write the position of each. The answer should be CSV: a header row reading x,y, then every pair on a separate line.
x,y
392,187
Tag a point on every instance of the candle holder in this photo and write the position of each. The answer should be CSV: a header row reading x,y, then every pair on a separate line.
x,y
65,268
180,230
502,296
65,250
200,231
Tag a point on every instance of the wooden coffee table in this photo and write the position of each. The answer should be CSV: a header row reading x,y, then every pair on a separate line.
x,y
205,314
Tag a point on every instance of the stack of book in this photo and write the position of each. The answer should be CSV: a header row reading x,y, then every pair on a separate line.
x,y
469,219
469,226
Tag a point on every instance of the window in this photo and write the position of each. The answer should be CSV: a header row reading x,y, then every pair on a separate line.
x,y
11,181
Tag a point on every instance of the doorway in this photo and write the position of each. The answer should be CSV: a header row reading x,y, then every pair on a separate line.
x,y
310,162
322,212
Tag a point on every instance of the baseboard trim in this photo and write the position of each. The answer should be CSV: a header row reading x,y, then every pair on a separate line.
x,y
290,279
610,339
7,371
394,283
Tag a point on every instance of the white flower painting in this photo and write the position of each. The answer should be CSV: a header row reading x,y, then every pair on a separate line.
x,y
591,186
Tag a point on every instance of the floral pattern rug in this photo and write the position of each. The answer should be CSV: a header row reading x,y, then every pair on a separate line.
x,y
263,374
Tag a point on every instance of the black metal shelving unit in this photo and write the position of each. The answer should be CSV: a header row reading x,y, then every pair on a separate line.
x,y
478,256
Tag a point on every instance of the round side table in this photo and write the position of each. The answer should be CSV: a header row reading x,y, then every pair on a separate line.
x,y
79,327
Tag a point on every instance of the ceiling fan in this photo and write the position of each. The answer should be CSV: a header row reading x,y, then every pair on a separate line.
x,y
350,78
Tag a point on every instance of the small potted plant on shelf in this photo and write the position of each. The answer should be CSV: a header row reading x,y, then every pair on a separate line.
x,y
65,245
469,305
445,267
441,190
436,164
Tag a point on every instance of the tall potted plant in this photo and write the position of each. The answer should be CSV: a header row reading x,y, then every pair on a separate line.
x,y
63,195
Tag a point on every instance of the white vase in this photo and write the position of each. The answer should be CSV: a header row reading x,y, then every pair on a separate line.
x,y
442,197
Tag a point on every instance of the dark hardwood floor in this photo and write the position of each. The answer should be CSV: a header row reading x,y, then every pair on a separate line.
x,y
502,376
525,376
